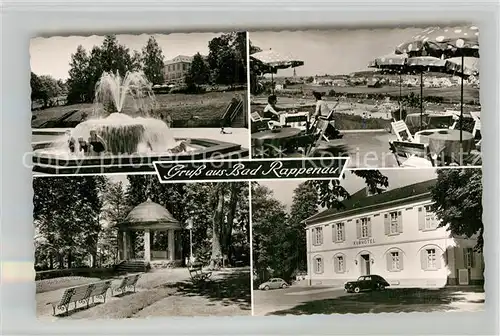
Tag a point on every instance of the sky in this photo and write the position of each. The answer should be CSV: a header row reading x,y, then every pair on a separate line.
x,y
51,56
283,190
333,52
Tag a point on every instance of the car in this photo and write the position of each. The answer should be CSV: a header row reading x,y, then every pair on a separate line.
x,y
366,282
273,283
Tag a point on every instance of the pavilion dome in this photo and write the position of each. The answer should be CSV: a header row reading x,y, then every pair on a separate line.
x,y
151,212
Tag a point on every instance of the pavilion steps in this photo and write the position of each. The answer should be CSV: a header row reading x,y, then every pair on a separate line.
x,y
132,266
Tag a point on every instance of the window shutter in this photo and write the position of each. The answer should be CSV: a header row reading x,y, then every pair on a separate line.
x,y
401,258
343,232
472,258
387,224
465,257
369,227
389,261
438,259
334,232
400,221
336,264
421,219
321,236
358,229
423,259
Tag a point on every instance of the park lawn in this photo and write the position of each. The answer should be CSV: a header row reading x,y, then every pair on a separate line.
x,y
210,105
48,285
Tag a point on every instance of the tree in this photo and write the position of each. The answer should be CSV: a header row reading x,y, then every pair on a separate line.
x,y
332,193
78,76
152,59
457,197
227,58
86,70
198,73
115,210
270,235
67,215
45,88
136,61
305,205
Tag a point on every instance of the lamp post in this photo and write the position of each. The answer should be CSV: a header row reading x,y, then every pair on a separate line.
x,y
190,228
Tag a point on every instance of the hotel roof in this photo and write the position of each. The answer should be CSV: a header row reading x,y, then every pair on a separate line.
x,y
359,203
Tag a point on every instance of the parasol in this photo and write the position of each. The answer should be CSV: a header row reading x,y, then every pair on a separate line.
x,y
270,61
449,42
394,62
425,63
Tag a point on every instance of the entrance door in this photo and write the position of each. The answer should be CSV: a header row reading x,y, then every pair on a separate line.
x,y
365,264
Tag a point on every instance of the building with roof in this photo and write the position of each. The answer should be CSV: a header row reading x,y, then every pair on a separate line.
x,y
395,235
175,70
149,218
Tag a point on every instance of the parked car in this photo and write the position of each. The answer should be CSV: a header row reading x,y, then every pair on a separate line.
x,y
274,283
366,282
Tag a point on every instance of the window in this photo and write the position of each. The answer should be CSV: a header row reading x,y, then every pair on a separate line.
x,y
469,258
364,228
431,259
339,233
317,236
430,222
339,264
394,222
318,265
395,264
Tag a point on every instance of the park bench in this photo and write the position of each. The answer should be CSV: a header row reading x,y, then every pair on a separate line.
x,y
197,274
127,282
80,294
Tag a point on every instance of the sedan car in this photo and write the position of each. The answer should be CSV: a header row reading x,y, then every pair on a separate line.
x,y
366,282
274,283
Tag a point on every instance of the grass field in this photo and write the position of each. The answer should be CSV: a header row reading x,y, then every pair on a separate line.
x,y
208,107
449,94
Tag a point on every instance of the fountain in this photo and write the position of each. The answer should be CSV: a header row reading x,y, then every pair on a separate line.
x,y
122,117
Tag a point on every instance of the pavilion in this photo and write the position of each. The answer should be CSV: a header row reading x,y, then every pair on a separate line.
x,y
150,218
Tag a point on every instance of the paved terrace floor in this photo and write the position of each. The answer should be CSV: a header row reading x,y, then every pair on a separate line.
x,y
164,292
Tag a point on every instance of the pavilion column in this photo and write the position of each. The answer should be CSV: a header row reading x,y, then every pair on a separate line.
x,y
171,245
125,245
147,245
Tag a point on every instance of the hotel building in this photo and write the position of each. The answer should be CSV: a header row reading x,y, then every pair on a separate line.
x,y
175,69
395,235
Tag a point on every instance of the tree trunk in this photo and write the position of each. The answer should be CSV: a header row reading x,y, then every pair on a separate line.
x,y
69,259
216,221
233,202
51,260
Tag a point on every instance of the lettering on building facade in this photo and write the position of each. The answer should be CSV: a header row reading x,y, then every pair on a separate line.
x,y
368,241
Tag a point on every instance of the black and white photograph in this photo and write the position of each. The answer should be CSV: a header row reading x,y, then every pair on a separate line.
x,y
127,246
117,103
375,241
385,97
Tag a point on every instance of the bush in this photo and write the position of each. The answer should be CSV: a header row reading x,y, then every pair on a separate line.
x,y
82,272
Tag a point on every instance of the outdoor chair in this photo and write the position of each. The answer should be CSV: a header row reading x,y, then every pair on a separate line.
x,y
262,124
100,290
410,154
401,130
126,283
476,131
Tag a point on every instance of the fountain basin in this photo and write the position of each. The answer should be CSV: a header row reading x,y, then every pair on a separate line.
x,y
202,149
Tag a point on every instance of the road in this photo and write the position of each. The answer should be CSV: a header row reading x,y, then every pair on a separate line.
x,y
266,302
323,300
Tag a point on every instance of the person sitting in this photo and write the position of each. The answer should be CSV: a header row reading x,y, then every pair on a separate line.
x,y
84,147
97,143
322,109
271,111
71,141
